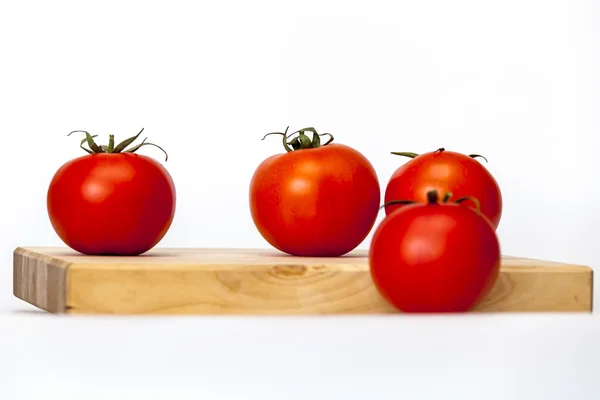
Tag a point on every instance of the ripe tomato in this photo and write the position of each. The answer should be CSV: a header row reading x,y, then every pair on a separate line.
x,y
111,201
445,171
434,257
315,199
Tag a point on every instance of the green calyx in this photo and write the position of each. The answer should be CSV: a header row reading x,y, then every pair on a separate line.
x,y
302,141
441,149
433,199
111,148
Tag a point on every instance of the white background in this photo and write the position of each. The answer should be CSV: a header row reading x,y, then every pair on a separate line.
x,y
515,81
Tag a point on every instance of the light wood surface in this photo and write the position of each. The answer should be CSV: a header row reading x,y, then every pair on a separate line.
x,y
253,282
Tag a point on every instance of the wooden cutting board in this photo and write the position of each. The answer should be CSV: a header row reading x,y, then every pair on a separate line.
x,y
247,281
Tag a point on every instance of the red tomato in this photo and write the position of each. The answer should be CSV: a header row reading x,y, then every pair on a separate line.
x,y
316,199
111,201
445,171
434,257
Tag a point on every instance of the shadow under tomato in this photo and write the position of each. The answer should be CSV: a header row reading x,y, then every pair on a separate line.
x,y
145,255
280,255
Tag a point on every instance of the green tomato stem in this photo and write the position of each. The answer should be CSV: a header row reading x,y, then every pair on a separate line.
x,y
111,143
111,148
441,149
302,141
433,198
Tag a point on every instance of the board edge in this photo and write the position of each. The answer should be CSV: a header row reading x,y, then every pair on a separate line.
x,y
40,280
591,289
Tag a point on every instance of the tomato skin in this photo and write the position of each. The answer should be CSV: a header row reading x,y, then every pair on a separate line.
x,y
318,202
445,171
111,204
429,258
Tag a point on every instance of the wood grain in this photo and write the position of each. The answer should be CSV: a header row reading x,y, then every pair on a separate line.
x,y
259,282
